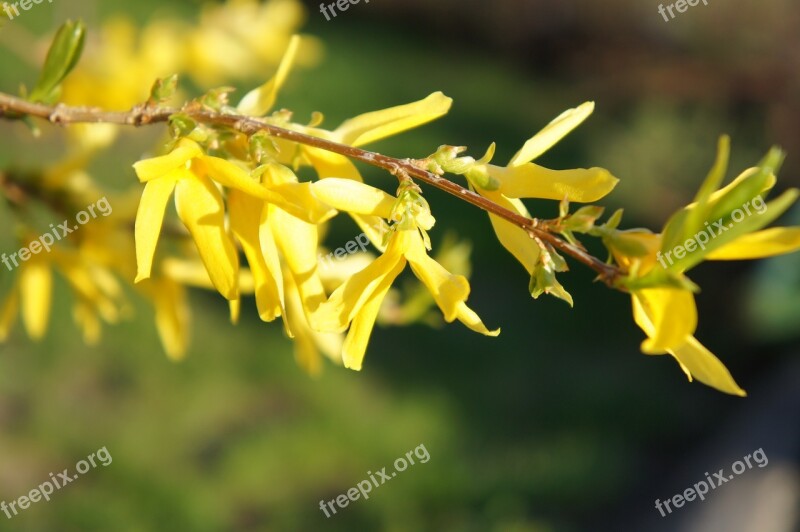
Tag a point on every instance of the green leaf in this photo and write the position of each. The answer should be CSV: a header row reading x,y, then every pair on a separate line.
x,y
752,222
583,220
699,213
659,278
63,55
163,89
543,280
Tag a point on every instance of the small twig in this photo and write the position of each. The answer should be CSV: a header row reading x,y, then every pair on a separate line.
x,y
12,107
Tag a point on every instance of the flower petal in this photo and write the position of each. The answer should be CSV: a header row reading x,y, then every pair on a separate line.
x,y
200,208
185,151
354,197
171,315
232,176
149,219
552,133
347,300
448,290
245,217
533,181
298,242
259,101
374,126
468,317
515,239
355,344
667,316
36,286
700,363
766,243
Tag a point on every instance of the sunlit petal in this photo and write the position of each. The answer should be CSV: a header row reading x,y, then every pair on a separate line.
x,y
376,125
552,133
667,316
200,208
149,219
36,286
766,243
533,181
701,364
185,151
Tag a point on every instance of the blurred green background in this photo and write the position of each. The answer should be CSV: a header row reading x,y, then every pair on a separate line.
x,y
558,424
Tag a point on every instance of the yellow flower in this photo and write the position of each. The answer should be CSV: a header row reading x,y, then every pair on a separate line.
x,y
661,295
356,303
194,176
98,295
357,131
523,179
669,318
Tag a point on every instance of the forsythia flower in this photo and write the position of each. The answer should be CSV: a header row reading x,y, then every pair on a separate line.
x,y
98,294
118,65
192,175
521,178
356,132
356,303
668,314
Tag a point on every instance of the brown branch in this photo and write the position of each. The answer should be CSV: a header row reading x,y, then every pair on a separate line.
x,y
12,107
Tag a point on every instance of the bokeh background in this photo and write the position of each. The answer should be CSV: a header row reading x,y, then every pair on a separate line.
x,y
558,424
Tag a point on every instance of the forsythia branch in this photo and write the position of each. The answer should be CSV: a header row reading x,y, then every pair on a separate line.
x,y
12,108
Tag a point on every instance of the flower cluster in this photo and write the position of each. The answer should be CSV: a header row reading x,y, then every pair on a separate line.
x,y
255,191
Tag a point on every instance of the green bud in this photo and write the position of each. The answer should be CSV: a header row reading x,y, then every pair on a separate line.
x,y
163,89
63,55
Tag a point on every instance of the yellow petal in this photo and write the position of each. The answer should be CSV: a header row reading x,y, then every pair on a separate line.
x,y
259,101
533,181
515,239
347,300
235,308
171,315
232,176
299,200
185,151
354,197
200,208
308,343
448,290
149,219
88,284
766,243
245,216
272,261
355,344
298,242
329,164
552,133
468,317
373,126
36,286
701,364
667,316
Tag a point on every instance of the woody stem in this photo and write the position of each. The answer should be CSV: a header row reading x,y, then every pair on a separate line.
x,y
12,107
